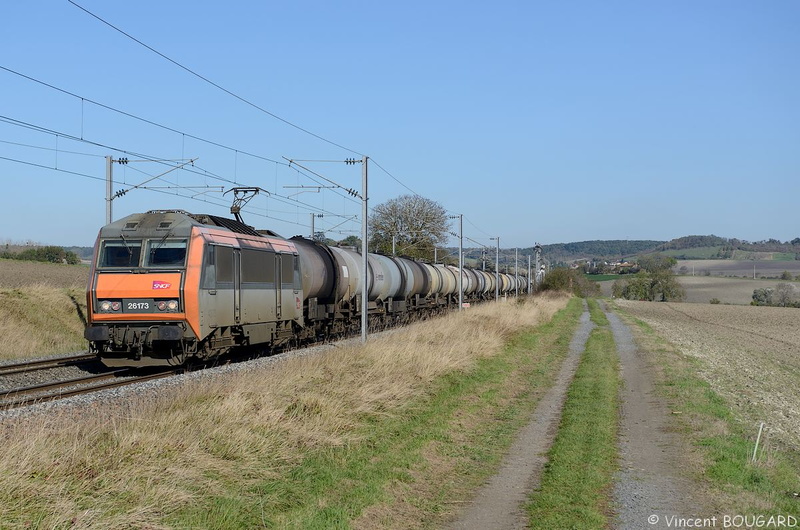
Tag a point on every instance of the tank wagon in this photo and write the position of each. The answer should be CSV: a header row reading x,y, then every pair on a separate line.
x,y
168,287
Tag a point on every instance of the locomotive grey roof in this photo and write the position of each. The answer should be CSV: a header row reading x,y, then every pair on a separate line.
x,y
157,223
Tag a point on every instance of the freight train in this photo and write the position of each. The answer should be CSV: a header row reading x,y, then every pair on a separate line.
x,y
169,287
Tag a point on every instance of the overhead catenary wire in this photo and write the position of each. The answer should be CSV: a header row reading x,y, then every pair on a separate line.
x,y
44,130
51,149
198,138
192,197
141,119
211,142
278,198
476,227
212,83
481,245
195,170
393,177
155,190
184,134
375,163
51,168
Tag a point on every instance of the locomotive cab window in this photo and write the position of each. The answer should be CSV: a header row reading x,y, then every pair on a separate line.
x,y
120,253
165,253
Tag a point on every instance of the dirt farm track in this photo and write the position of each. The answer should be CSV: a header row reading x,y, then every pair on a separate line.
x,y
749,354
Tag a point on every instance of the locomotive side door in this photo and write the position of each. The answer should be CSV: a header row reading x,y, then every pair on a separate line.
x,y
218,296
237,285
278,286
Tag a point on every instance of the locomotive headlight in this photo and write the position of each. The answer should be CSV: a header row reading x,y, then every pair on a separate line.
x,y
172,305
105,305
115,306
161,305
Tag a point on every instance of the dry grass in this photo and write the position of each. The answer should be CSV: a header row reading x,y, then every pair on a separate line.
x,y
39,320
41,305
135,469
750,355
15,273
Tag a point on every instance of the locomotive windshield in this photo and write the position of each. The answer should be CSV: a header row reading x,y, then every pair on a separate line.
x,y
127,253
120,253
165,253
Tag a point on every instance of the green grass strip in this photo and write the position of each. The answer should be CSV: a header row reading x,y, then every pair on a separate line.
x,y
582,461
595,313
331,487
604,277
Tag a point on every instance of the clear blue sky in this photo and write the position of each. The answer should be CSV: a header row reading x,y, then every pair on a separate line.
x,y
540,121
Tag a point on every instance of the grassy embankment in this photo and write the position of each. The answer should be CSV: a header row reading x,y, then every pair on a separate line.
x,y
722,447
41,306
394,434
577,481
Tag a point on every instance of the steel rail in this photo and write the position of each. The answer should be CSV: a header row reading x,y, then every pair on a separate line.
x,y
44,364
11,401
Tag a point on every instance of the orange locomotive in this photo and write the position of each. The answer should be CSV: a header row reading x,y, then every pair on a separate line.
x,y
167,286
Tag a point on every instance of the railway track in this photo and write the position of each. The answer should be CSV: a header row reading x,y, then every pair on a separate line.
x,y
52,388
56,362
63,387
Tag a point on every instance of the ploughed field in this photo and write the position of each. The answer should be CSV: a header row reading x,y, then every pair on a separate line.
x,y
748,354
701,289
735,267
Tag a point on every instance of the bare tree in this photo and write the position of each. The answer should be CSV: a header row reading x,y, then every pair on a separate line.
x,y
784,294
417,225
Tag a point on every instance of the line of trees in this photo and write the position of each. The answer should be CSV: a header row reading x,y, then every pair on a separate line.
x,y
783,295
729,245
654,282
50,254
571,281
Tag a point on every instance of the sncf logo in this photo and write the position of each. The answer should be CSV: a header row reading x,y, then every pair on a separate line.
x,y
161,285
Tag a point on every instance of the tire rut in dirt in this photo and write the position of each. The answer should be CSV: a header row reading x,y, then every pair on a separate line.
x,y
499,503
648,483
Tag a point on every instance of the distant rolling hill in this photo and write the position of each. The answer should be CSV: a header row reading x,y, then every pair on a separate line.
x,y
602,249
687,247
